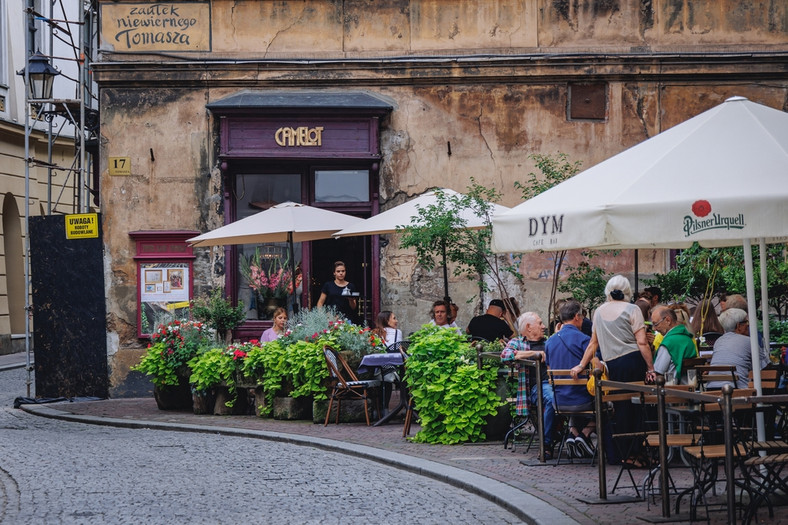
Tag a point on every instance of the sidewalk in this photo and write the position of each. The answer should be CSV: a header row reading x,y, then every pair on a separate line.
x,y
538,494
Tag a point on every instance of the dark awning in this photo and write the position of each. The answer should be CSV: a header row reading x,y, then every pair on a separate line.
x,y
278,101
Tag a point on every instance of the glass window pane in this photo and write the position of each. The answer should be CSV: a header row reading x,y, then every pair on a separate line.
x,y
341,185
255,193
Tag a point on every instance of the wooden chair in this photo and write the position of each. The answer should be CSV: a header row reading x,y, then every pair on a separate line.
x,y
711,373
561,377
770,380
345,384
708,453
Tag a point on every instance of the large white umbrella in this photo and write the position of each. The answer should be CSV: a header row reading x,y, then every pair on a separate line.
x,y
720,178
286,222
396,218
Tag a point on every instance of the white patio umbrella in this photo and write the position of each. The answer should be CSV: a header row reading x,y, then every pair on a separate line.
x,y
720,178
396,218
286,222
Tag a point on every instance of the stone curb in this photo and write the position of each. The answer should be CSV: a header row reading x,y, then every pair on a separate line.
x,y
528,508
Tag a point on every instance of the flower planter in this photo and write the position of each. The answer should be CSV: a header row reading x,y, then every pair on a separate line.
x,y
497,425
223,395
352,411
203,402
290,408
173,397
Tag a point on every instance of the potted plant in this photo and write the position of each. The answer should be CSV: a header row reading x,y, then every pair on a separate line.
x,y
452,395
270,279
166,360
218,313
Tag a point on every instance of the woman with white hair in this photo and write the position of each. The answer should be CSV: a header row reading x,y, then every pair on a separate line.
x,y
619,333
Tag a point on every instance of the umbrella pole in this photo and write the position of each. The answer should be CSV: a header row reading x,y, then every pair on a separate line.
x,y
292,271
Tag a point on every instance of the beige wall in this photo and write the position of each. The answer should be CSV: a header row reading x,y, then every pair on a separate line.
x,y
12,182
494,110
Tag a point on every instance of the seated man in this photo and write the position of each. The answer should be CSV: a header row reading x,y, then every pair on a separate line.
x,y
440,316
489,325
563,351
530,345
733,348
677,344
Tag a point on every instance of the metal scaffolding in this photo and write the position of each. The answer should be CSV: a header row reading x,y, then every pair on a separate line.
x,y
71,28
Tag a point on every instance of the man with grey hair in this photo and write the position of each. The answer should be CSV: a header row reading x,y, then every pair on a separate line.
x,y
530,345
733,348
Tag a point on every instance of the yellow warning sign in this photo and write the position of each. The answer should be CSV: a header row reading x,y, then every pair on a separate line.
x,y
82,226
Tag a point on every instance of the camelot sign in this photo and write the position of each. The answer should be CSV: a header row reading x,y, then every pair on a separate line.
x,y
164,26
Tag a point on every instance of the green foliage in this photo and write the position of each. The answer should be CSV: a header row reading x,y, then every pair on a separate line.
x,y
154,364
703,272
778,331
307,325
324,326
172,347
212,368
554,169
218,312
307,369
451,395
267,363
439,230
585,282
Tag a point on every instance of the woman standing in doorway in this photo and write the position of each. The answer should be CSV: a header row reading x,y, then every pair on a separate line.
x,y
339,293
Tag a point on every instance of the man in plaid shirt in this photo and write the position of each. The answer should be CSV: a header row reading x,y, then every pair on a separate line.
x,y
530,345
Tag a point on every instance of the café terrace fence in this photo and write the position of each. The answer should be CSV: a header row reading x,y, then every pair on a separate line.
x,y
726,402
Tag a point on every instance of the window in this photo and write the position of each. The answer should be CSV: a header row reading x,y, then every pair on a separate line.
x,y
341,185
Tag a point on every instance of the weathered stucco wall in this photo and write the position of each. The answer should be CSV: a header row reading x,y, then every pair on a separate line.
x,y
494,112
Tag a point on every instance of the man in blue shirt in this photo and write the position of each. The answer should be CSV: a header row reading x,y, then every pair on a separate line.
x,y
563,351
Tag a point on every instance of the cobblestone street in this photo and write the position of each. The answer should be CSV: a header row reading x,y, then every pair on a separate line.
x,y
62,472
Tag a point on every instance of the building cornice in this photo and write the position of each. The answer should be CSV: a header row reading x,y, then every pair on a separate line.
x,y
388,71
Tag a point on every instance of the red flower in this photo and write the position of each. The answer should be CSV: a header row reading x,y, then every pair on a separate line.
x,y
701,208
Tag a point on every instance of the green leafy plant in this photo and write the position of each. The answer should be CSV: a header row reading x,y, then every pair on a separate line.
x,y
212,368
218,313
268,364
703,272
586,282
440,230
172,347
451,394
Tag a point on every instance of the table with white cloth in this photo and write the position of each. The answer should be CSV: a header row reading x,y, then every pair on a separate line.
x,y
372,362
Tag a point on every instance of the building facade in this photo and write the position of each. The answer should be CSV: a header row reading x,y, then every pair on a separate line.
x,y
224,108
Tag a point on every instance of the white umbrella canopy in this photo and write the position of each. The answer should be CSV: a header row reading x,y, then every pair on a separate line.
x,y
394,219
288,221
717,178
400,216
720,178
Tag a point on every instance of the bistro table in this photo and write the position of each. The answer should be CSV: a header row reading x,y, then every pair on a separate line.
x,y
371,362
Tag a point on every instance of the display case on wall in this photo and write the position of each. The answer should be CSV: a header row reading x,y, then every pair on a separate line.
x,y
165,283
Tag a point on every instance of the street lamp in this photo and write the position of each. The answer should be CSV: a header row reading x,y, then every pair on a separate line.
x,y
42,76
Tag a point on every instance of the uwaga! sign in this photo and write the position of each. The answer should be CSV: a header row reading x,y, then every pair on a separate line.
x,y
164,26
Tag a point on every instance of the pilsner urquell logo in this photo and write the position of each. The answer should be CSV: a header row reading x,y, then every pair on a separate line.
x,y
703,221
